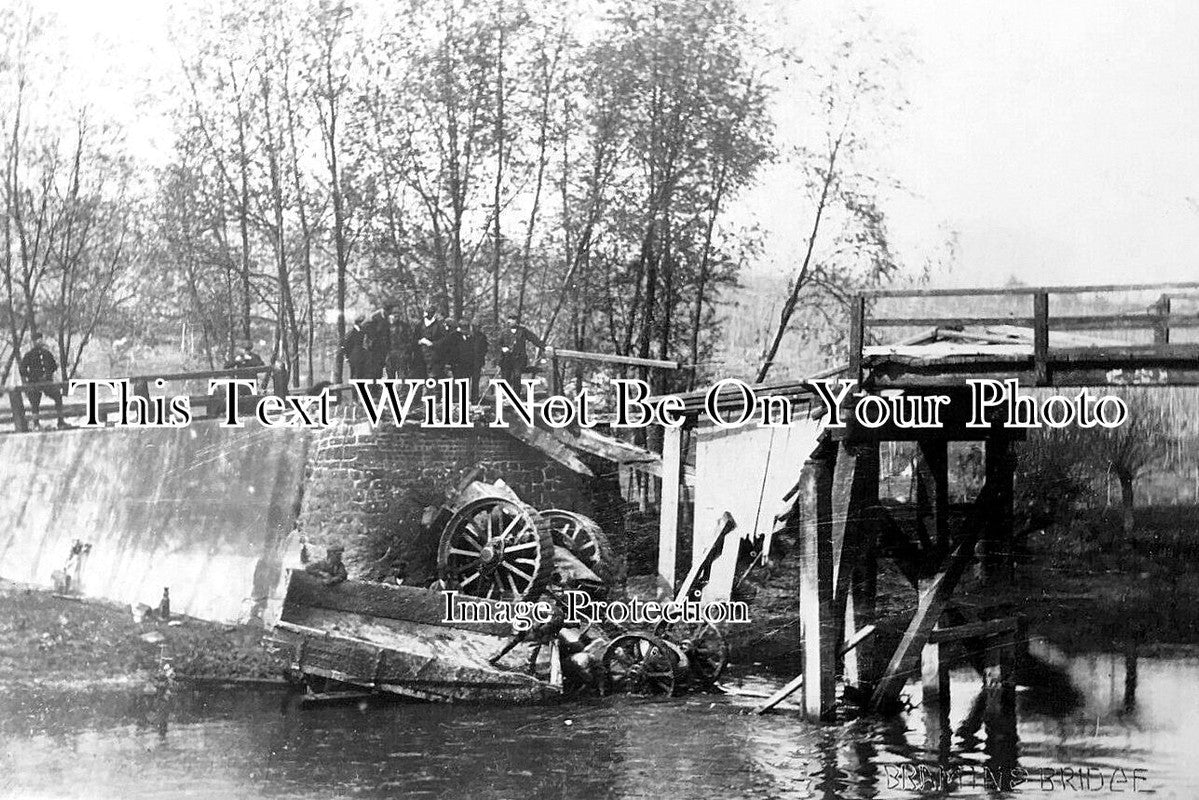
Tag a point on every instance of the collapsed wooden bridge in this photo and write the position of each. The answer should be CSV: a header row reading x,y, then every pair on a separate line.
x,y
835,506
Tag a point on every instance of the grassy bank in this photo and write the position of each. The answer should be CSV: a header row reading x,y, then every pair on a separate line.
x,y
50,641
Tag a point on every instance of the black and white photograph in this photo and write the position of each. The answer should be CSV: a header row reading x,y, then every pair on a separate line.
x,y
599,399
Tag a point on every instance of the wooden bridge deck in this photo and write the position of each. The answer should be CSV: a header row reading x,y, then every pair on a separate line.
x,y
1039,349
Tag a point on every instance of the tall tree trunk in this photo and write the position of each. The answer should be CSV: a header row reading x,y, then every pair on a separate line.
x,y
801,280
496,255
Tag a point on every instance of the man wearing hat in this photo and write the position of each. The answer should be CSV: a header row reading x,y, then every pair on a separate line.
x,y
38,366
433,333
329,569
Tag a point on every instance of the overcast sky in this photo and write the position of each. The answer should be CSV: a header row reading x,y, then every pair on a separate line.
x,y
1057,138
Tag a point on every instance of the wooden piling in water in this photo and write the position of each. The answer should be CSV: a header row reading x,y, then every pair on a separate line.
x,y
821,631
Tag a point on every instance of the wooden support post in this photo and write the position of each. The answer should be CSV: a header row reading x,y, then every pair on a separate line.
x,y
821,631
857,337
855,492
141,388
668,515
1040,337
16,399
934,675
1161,329
935,699
996,560
932,493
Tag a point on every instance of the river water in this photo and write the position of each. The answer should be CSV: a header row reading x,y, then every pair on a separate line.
x,y
241,743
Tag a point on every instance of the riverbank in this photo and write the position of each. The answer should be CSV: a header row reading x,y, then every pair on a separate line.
x,y
49,641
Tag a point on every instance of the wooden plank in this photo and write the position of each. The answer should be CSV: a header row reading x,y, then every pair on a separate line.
x,y
668,519
932,602
383,600
548,444
820,629
852,642
946,322
782,694
1086,322
975,630
1016,291
692,585
607,358
1126,353
239,372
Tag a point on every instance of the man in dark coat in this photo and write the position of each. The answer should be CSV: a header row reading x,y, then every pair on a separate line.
x,y
514,352
401,341
376,342
433,334
38,366
352,347
472,355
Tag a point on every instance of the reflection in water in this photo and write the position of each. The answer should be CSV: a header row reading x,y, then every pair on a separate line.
x,y
1132,714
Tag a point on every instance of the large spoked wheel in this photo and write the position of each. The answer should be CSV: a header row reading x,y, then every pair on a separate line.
x,y
636,663
496,548
584,539
706,649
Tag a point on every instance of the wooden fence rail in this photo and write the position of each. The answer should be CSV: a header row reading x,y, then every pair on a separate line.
x,y
19,415
1158,317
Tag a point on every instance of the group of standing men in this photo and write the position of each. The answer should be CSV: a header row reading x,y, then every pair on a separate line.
x,y
384,344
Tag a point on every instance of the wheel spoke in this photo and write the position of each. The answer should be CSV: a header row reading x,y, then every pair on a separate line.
x,y
474,534
511,525
523,575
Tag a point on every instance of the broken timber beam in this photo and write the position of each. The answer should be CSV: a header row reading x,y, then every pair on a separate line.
x,y
548,444
932,602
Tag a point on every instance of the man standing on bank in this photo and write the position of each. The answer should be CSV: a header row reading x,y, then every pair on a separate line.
x,y
433,342
38,366
514,353
472,355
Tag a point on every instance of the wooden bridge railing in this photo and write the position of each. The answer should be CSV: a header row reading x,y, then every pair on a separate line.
x,y
18,416
1157,317
557,353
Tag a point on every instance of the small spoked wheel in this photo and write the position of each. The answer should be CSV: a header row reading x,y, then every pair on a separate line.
x,y
637,663
584,538
706,649
496,548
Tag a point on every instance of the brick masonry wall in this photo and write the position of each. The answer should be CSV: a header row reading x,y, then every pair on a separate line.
x,y
369,487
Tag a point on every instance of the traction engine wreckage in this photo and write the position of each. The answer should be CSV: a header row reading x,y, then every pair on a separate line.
x,y
356,638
